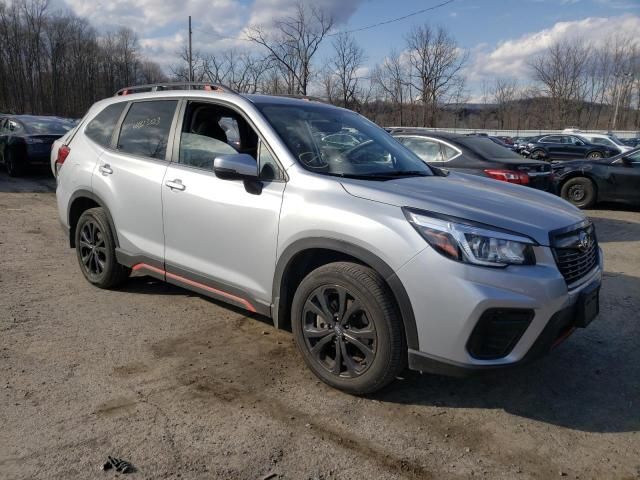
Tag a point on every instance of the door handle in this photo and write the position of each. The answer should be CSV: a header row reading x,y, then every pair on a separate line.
x,y
105,169
175,184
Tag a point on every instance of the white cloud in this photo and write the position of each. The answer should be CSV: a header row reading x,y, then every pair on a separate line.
x,y
161,26
509,58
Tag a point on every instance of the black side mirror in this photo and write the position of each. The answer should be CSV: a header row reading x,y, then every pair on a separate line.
x,y
239,166
627,162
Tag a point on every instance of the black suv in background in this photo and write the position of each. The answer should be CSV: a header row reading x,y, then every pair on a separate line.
x,y
475,154
26,140
564,147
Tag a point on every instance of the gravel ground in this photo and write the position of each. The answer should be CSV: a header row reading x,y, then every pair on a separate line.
x,y
184,387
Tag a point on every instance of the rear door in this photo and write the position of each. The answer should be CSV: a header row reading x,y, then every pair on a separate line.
x,y
553,144
128,177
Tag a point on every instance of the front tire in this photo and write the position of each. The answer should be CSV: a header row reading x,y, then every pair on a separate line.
x,y
595,155
347,327
95,248
579,191
538,154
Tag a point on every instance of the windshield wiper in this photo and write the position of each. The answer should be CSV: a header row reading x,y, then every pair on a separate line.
x,y
401,173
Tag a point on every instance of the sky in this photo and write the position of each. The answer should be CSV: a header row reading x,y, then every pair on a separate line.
x,y
499,35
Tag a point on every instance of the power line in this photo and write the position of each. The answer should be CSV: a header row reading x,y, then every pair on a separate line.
x,y
360,29
386,22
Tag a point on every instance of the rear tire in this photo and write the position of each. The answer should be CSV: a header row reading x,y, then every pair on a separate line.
x,y
14,166
580,191
595,155
347,327
95,248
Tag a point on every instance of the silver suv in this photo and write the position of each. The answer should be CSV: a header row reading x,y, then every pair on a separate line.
x,y
317,218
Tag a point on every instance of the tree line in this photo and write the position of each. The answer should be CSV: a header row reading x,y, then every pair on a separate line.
x,y
420,82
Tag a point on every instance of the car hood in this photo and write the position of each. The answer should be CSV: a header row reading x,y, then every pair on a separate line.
x,y
512,207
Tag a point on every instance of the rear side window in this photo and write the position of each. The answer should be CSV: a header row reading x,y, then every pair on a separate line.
x,y
100,129
145,130
427,150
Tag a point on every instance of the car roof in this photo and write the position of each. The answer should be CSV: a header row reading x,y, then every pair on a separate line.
x,y
207,94
424,133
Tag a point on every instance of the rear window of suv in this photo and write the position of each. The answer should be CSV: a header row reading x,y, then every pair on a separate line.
x,y
145,130
100,129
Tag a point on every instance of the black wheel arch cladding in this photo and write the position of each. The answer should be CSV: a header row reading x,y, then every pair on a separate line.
x,y
282,302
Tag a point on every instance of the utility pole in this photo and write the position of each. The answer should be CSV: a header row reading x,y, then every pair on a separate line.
x,y
190,54
618,85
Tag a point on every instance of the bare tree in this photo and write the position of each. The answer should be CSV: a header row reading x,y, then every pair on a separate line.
x,y
347,60
294,43
504,95
391,77
561,70
436,63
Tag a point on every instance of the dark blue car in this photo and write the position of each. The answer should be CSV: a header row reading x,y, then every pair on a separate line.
x,y
25,140
566,147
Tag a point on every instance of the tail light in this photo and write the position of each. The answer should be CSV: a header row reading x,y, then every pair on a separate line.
x,y
511,176
63,153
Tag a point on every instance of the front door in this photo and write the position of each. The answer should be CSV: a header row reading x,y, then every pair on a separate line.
x,y
626,178
221,235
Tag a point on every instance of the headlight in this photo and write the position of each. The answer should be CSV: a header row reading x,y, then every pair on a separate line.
x,y
469,243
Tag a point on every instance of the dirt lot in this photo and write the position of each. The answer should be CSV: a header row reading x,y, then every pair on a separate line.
x,y
184,387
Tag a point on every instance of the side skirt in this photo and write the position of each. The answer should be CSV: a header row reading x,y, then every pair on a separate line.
x,y
191,281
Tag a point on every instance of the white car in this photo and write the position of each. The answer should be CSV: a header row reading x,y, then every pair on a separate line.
x,y
600,139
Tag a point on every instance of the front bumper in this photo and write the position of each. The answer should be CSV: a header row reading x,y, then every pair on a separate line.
x,y
449,299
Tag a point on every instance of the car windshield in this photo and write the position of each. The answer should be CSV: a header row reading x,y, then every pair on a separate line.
x,y
338,142
54,126
616,140
487,148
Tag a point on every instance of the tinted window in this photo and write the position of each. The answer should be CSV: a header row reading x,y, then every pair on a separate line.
x,y
101,127
427,150
145,130
486,148
449,152
551,139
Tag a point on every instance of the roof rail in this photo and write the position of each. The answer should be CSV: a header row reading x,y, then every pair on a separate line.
x,y
156,87
308,98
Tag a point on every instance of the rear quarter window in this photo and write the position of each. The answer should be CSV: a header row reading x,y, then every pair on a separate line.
x,y
100,129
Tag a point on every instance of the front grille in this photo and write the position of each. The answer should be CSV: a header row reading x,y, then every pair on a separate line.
x,y
573,259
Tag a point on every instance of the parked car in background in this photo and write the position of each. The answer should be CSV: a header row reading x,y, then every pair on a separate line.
x,y
26,140
478,155
502,143
520,145
587,182
631,142
505,139
565,147
374,260
601,139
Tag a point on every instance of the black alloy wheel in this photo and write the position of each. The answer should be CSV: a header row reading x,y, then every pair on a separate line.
x,y
95,248
92,249
338,331
347,327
